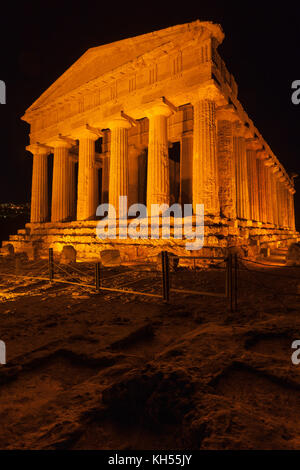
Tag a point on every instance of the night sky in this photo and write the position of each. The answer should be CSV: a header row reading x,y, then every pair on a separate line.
x,y
39,41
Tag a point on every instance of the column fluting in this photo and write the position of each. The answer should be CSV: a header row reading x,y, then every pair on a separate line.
x,y
158,171
243,205
118,169
87,195
253,185
39,188
226,170
205,166
61,208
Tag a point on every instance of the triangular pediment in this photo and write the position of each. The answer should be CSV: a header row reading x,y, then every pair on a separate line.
x,y
100,61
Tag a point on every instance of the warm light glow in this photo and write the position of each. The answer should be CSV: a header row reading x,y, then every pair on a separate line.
x,y
142,132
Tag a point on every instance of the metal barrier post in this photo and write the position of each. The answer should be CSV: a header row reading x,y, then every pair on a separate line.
x,y
51,265
163,270
97,277
236,267
229,283
167,276
227,277
17,266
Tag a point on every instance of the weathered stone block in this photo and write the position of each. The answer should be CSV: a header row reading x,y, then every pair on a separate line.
x,y
68,255
240,251
293,256
7,250
110,257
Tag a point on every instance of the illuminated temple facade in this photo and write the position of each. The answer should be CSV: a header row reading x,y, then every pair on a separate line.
x,y
156,118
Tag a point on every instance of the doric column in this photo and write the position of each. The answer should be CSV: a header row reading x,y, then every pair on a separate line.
x,y
87,198
274,170
288,205
281,196
285,205
279,201
105,180
133,174
118,171
97,195
226,168
186,168
158,171
73,195
62,206
39,188
253,184
269,210
239,146
205,166
292,208
261,171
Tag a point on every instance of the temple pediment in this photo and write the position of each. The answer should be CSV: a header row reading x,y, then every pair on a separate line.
x,y
107,61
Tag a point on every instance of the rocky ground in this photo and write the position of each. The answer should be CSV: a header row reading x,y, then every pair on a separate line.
x,y
120,371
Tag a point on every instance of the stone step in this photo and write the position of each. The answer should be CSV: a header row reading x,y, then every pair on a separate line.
x,y
13,238
276,259
279,254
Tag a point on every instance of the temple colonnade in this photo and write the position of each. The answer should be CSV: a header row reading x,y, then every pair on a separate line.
x,y
232,174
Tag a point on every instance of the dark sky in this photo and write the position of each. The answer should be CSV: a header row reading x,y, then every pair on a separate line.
x,y
40,40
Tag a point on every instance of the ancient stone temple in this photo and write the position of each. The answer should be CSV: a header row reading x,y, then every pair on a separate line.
x,y
155,118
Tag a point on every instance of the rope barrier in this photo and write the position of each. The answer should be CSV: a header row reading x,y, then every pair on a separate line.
x,y
116,275
62,281
132,274
43,272
268,265
30,265
139,264
274,291
79,271
63,270
276,275
260,284
134,281
218,264
202,257
144,271
124,291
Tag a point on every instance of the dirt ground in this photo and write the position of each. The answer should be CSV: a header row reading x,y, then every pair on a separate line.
x,y
119,371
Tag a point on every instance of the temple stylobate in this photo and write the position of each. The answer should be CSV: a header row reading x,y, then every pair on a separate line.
x,y
155,118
